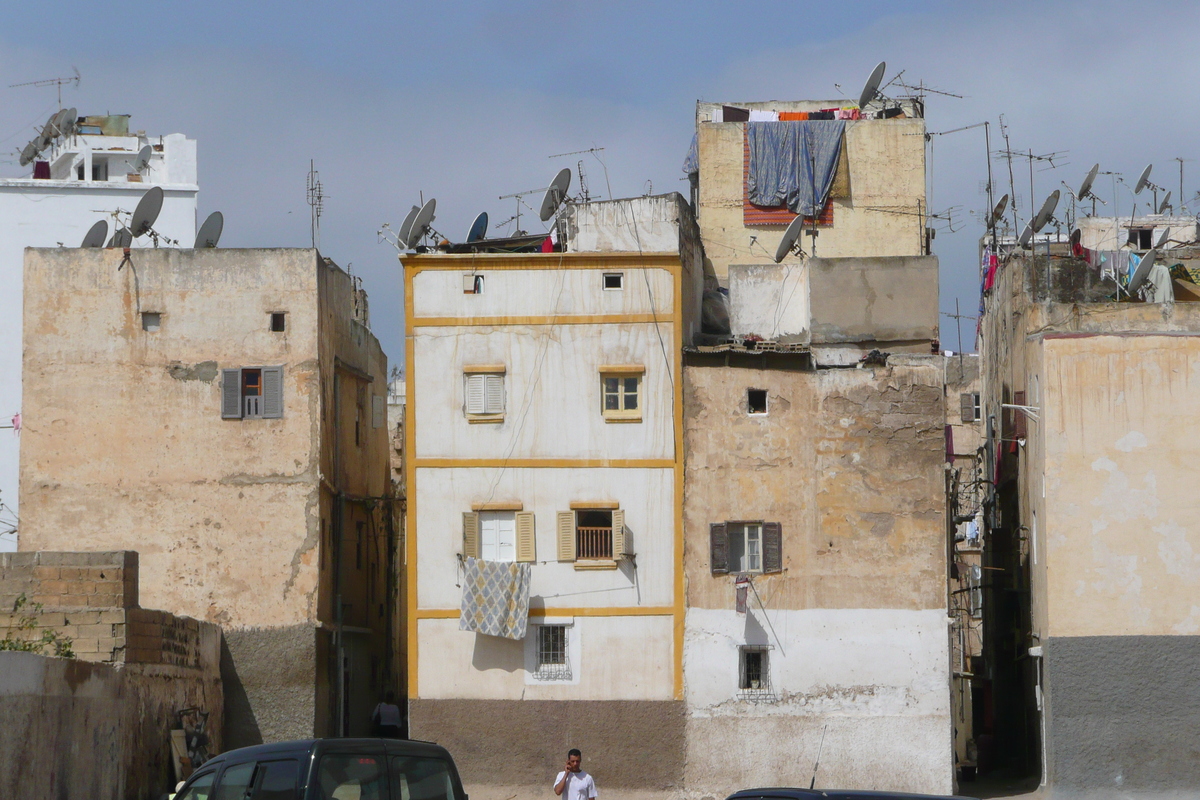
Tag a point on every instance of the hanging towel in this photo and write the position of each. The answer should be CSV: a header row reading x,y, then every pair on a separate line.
x,y
793,116
793,163
495,598
763,116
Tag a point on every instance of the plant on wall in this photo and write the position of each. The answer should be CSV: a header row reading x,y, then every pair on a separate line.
x,y
22,633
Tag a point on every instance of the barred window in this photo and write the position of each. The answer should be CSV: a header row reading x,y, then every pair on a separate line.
x,y
553,658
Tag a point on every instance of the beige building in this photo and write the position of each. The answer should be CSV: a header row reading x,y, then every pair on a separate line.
x,y
1091,617
223,413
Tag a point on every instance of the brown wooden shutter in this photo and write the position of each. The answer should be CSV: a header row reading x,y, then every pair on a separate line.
x,y
526,546
966,402
618,539
718,547
1018,415
272,389
231,394
772,533
470,534
566,536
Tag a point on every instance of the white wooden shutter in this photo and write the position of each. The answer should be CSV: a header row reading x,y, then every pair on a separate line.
x,y
526,546
470,534
231,394
494,394
272,389
475,394
618,523
566,536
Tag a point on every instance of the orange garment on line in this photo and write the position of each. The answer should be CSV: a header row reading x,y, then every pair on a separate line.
x,y
793,116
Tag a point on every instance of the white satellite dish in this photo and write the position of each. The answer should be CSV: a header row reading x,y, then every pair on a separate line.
x,y
556,192
420,224
146,213
1026,236
871,87
1143,180
1143,270
1165,204
1162,238
210,231
1085,188
998,211
96,235
29,153
789,238
143,158
478,228
1046,212
406,226
70,121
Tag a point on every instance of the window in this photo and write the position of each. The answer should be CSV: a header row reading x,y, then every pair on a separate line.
x,y
969,408
235,781
200,788
472,284
483,394
341,776
621,393
746,547
756,401
151,321
100,170
592,533
1141,238
422,778
252,393
614,281
276,780
278,322
553,661
502,534
754,674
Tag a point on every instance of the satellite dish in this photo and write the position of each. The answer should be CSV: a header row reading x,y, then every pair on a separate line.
x,y
1162,238
556,192
420,224
29,153
1085,188
143,158
1143,180
1026,236
406,226
96,235
1162,207
871,87
1047,211
998,211
210,231
478,228
69,121
146,213
121,238
789,238
1143,270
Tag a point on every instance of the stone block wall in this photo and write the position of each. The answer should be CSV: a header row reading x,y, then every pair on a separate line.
x,y
69,581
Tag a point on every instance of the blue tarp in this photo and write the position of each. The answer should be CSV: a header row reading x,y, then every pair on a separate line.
x,y
793,163
691,162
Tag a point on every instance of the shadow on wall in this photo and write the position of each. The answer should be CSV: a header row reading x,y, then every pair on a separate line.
x,y
241,728
496,652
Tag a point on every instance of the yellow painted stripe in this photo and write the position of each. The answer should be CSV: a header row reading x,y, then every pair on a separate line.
x,y
596,611
680,599
410,520
562,319
545,463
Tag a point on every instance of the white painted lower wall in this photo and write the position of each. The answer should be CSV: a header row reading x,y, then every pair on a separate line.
x,y
874,682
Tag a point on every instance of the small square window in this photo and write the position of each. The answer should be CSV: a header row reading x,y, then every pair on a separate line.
x,y
553,657
756,401
472,284
754,674
614,281
484,395
151,320
278,322
621,396
745,547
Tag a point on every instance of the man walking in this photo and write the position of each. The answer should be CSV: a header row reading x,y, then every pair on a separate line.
x,y
573,783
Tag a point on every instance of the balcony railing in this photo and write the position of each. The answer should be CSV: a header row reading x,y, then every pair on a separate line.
x,y
593,543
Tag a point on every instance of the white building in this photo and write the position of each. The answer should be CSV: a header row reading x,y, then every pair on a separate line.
x,y
91,175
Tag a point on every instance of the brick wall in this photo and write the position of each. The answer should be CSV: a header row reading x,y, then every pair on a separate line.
x,y
92,599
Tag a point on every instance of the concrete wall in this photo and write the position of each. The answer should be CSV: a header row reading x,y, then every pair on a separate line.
x,y
79,729
879,216
892,299
850,463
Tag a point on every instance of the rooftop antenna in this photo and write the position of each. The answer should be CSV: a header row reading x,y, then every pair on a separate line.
x,y
817,763
1182,204
582,181
57,82
520,202
788,243
210,232
315,196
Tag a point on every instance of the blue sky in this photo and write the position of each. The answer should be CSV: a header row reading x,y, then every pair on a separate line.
x,y
465,101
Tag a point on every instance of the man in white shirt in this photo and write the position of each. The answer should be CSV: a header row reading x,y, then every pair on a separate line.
x,y
573,783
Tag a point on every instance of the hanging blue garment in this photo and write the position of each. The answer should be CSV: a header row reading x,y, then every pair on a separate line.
x,y
793,163
691,162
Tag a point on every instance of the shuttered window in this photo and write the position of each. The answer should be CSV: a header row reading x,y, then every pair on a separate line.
x,y
593,534
483,394
252,393
745,547
499,536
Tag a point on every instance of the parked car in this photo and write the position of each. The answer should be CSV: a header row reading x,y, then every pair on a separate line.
x,y
783,793
328,769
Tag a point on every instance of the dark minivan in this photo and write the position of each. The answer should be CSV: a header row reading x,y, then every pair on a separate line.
x,y
328,769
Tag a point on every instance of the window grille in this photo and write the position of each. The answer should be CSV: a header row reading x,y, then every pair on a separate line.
x,y
553,658
754,673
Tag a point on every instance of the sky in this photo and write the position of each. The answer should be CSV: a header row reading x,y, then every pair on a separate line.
x,y
467,101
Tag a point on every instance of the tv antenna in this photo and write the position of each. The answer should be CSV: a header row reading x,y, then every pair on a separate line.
x,y
583,190
315,196
520,202
56,82
1182,204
